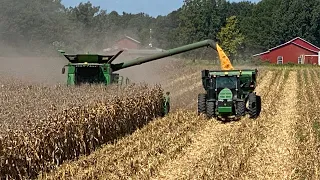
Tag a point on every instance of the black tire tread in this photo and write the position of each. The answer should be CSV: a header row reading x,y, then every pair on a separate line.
x,y
210,109
254,105
241,109
201,104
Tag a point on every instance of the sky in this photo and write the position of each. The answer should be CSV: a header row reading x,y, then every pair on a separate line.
x,y
151,7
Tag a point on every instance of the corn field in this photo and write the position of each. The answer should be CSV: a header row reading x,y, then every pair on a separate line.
x,y
44,137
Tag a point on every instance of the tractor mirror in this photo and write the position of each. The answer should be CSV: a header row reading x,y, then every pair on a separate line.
x,y
63,70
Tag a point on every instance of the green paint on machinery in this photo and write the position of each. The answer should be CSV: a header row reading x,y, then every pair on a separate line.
x,y
92,68
95,68
229,93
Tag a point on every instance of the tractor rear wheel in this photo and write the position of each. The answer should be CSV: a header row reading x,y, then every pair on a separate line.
x,y
258,105
240,109
254,105
202,104
211,109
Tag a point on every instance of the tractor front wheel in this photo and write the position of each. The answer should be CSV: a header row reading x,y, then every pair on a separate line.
x,y
210,109
240,109
254,105
202,104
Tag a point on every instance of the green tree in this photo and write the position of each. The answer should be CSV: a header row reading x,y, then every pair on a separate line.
x,y
297,18
200,20
230,38
165,30
259,26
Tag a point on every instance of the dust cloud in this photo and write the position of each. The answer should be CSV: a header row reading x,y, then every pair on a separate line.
x,y
151,72
22,60
44,69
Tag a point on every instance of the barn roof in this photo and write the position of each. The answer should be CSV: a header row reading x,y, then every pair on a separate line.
x,y
291,42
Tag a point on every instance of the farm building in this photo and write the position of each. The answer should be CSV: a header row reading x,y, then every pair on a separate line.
x,y
297,50
127,43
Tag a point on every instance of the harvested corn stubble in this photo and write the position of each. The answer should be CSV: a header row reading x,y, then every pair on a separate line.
x,y
46,140
138,156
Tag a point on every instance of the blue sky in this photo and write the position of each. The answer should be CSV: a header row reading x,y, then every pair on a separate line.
x,y
151,7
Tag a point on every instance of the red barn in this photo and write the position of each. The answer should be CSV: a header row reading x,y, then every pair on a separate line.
x,y
127,43
297,50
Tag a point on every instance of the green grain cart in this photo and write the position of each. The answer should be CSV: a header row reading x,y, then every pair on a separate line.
x,y
229,94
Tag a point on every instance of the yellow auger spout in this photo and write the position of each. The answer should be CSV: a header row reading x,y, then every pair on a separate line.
x,y
224,60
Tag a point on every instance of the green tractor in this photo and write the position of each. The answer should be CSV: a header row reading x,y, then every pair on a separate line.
x,y
229,94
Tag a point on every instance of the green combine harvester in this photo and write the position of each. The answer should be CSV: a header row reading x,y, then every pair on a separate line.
x,y
100,69
229,94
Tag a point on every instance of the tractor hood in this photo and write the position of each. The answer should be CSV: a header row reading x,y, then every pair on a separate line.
x,y
225,94
225,102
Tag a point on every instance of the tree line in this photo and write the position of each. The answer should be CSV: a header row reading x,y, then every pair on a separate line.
x,y
241,28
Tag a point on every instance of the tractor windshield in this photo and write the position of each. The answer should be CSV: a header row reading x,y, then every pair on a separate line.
x,y
226,82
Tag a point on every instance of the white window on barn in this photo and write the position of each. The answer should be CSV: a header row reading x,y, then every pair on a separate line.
x,y
299,60
280,60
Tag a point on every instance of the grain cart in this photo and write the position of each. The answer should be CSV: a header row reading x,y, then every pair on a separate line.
x,y
229,93
95,68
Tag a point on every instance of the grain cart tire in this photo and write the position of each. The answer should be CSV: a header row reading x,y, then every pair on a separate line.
x,y
240,108
210,109
258,105
202,104
253,105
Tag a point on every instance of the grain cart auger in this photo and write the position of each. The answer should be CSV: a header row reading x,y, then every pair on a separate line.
x,y
94,68
229,93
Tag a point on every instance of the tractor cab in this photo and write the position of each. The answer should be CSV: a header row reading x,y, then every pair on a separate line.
x,y
227,84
